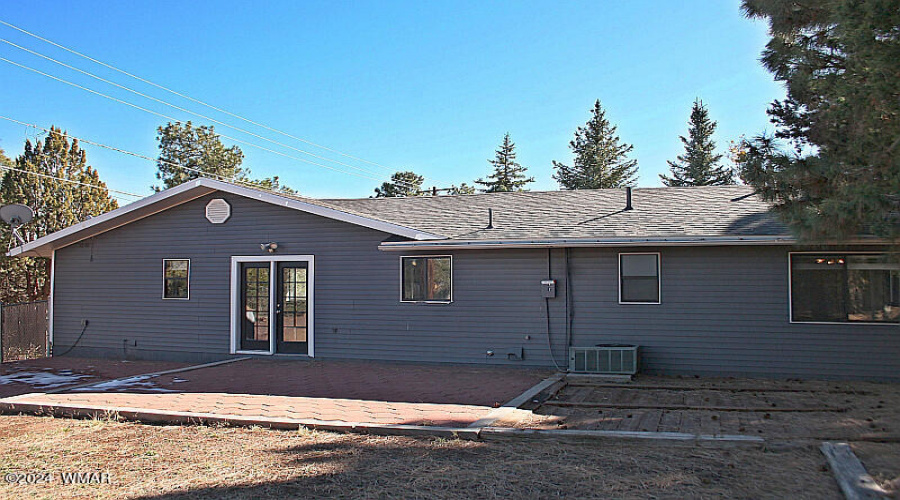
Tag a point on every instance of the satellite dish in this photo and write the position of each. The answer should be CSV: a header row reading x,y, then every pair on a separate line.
x,y
16,215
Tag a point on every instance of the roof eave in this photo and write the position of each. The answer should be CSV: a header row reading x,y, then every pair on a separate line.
x,y
607,242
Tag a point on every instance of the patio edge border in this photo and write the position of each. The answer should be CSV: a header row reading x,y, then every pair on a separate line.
x,y
9,406
515,403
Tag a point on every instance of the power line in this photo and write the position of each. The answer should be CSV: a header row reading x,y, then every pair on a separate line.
x,y
138,155
104,80
72,181
202,103
155,160
112,148
167,117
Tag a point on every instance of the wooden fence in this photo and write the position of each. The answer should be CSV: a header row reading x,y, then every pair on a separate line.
x,y
23,330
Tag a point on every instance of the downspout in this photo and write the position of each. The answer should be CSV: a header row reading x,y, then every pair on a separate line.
x,y
50,301
570,305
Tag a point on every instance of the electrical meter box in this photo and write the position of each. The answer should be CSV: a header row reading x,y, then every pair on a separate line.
x,y
548,289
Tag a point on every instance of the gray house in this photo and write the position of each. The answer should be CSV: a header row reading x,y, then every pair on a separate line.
x,y
705,280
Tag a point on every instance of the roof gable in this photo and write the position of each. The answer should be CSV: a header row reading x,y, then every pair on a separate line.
x,y
163,200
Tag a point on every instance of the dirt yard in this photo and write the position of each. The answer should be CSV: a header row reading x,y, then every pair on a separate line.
x,y
866,414
773,409
215,462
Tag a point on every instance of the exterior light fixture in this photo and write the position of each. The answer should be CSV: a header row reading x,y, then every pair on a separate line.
x,y
269,247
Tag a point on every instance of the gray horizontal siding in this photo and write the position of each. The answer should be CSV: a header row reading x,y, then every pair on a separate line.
x,y
115,282
723,311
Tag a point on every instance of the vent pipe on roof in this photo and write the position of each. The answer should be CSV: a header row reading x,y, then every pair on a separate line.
x,y
490,218
628,198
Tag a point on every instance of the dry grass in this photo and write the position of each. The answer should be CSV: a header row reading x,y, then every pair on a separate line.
x,y
215,462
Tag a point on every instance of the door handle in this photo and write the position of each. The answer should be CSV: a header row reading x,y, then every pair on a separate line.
x,y
278,309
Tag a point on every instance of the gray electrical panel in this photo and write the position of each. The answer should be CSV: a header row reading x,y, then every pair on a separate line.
x,y
548,289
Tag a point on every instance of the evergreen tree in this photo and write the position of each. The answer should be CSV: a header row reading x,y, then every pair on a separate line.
x,y
699,165
600,159
833,167
201,150
461,189
272,184
401,184
57,204
508,174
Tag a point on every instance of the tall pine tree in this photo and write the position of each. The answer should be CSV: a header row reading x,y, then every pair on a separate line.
x,y
57,204
401,184
699,165
201,150
838,175
508,174
601,160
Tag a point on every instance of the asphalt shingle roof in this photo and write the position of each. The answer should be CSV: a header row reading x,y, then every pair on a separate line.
x,y
709,211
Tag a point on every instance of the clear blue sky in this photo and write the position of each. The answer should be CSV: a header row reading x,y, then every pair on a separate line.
x,y
426,86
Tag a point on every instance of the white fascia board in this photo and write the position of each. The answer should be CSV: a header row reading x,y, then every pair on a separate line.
x,y
43,247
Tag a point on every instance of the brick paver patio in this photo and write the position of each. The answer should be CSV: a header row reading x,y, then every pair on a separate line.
x,y
275,407
333,391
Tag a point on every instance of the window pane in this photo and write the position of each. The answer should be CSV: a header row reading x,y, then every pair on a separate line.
x,y
639,278
176,288
413,279
841,288
871,289
175,279
439,279
426,278
817,287
639,265
640,289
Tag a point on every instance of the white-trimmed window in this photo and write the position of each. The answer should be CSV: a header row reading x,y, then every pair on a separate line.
x,y
426,278
176,279
844,288
639,278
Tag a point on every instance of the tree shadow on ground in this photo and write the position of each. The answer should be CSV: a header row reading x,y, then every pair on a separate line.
x,y
347,466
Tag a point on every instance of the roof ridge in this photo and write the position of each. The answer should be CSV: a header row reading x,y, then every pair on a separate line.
x,y
525,193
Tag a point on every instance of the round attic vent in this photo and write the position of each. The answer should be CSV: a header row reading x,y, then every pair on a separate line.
x,y
218,211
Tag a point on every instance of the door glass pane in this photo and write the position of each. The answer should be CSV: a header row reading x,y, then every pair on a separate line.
x,y
256,303
293,283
